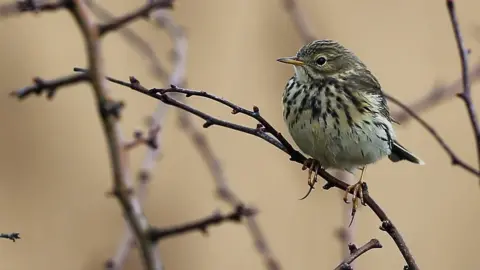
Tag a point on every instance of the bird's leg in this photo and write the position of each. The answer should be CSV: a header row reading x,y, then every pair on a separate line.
x,y
357,191
313,167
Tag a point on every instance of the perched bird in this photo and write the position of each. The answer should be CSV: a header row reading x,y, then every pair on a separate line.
x,y
337,114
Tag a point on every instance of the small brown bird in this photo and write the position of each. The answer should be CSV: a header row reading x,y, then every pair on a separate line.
x,y
337,114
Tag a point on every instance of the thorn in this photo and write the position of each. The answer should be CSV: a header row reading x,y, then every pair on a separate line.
x,y
208,124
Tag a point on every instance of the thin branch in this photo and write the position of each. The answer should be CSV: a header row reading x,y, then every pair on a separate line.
x,y
466,94
435,96
266,132
109,112
49,87
121,190
11,236
9,9
357,252
456,160
140,44
144,11
202,225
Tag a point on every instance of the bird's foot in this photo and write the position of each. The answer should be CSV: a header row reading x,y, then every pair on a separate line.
x,y
313,168
357,192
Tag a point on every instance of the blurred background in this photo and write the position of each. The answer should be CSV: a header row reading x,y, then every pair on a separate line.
x,y
54,167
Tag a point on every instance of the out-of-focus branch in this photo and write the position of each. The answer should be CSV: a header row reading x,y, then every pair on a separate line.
x,y
357,252
109,110
177,35
298,19
11,236
456,160
466,95
14,8
163,19
435,97
121,188
223,189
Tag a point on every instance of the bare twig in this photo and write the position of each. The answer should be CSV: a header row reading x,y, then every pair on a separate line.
x,y
267,132
356,252
157,234
50,87
11,236
164,19
109,111
140,45
121,189
435,96
456,160
9,9
466,94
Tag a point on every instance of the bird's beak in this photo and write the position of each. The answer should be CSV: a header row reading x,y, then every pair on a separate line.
x,y
291,60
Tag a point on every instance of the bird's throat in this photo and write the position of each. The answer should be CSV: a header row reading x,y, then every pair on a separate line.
x,y
301,75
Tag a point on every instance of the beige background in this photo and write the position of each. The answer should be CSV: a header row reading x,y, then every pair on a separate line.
x,y
54,169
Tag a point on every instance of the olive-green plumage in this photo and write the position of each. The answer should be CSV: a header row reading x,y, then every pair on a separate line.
x,y
335,109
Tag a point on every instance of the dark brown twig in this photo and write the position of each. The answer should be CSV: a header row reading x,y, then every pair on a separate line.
x,y
144,11
266,132
466,94
11,236
157,234
357,252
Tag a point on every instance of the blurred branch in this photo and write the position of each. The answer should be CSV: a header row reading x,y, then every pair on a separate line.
x,y
267,132
435,97
298,19
202,225
466,94
14,8
223,190
176,33
109,110
456,160
11,236
357,252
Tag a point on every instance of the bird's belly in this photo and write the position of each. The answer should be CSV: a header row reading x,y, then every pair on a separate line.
x,y
341,146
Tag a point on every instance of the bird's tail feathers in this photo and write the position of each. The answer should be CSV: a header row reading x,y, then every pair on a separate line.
x,y
400,153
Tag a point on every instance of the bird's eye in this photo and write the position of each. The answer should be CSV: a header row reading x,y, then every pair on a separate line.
x,y
321,61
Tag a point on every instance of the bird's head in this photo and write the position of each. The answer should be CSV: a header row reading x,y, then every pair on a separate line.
x,y
322,59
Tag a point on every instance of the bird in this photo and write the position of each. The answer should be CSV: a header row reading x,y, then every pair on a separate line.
x,y
337,114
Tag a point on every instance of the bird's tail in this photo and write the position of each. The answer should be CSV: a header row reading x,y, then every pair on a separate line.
x,y
401,153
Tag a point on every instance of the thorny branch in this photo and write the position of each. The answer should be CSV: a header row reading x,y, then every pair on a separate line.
x,y
109,112
223,189
357,252
267,132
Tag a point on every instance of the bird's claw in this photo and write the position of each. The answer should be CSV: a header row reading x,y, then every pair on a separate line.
x,y
313,168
